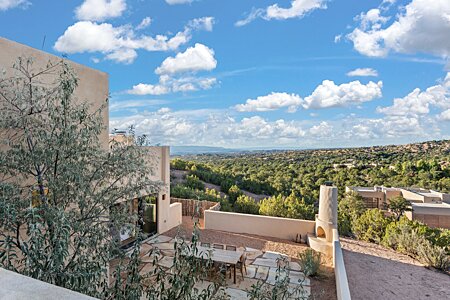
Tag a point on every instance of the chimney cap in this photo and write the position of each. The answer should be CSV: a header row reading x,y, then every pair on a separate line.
x,y
328,183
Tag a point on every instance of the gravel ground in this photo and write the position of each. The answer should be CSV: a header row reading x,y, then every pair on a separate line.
x,y
375,272
323,287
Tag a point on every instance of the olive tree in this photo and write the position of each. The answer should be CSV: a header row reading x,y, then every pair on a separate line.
x,y
58,183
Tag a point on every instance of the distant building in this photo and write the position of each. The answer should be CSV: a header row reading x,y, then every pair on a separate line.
x,y
428,206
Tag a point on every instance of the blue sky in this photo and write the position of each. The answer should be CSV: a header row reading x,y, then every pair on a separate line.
x,y
264,74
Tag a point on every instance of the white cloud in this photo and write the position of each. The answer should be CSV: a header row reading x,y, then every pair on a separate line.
x,y
419,102
194,59
118,43
363,72
9,4
148,89
100,10
422,26
144,23
445,115
298,9
270,102
177,73
328,94
323,129
125,55
173,2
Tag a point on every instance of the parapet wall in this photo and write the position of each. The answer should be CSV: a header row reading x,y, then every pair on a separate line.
x,y
17,286
342,288
282,228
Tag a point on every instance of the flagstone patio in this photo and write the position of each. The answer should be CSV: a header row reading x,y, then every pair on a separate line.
x,y
261,267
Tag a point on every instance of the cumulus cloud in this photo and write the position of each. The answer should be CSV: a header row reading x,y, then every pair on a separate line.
x,y
363,72
87,36
144,23
100,10
272,101
298,9
177,74
422,26
9,4
328,94
419,102
197,58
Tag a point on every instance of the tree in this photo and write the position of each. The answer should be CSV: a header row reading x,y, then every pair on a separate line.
x,y
349,209
58,185
398,205
371,226
286,207
246,205
233,193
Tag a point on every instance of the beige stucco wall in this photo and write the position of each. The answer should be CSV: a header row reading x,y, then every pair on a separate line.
x,y
92,85
168,217
340,273
282,228
17,286
412,197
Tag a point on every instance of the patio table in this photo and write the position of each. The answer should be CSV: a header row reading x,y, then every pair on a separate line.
x,y
221,256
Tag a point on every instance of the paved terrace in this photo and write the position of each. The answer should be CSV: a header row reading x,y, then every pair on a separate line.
x,y
262,255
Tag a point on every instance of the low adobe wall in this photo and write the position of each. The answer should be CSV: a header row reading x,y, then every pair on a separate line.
x,y
342,288
175,215
17,286
282,228
189,206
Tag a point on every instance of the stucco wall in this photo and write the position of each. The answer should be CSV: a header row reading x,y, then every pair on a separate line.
x,y
16,286
342,288
282,228
92,85
175,215
437,221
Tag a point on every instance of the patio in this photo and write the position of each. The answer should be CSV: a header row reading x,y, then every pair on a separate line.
x,y
262,254
261,266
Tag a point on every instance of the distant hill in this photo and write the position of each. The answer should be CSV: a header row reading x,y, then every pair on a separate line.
x,y
193,150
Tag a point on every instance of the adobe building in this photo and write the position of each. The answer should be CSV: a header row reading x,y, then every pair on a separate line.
x,y
93,87
428,206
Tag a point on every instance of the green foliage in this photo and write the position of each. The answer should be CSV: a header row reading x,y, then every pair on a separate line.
x,y
194,183
233,193
179,164
287,207
430,245
433,255
349,210
246,205
310,261
398,205
55,159
281,290
371,225
184,192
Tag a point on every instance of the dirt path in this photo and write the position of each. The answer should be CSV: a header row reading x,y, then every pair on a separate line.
x,y
375,272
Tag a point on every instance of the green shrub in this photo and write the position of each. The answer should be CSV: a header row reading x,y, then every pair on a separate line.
x,y
184,192
246,205
371,226
287,207
433,255
398,205
233,193
194,183
350,208
310,261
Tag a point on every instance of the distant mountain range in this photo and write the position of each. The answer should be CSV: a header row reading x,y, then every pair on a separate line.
x,y
193,150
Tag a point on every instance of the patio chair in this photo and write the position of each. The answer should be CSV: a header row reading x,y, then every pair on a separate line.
x,y
206,245
218,246
230,248
242,264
